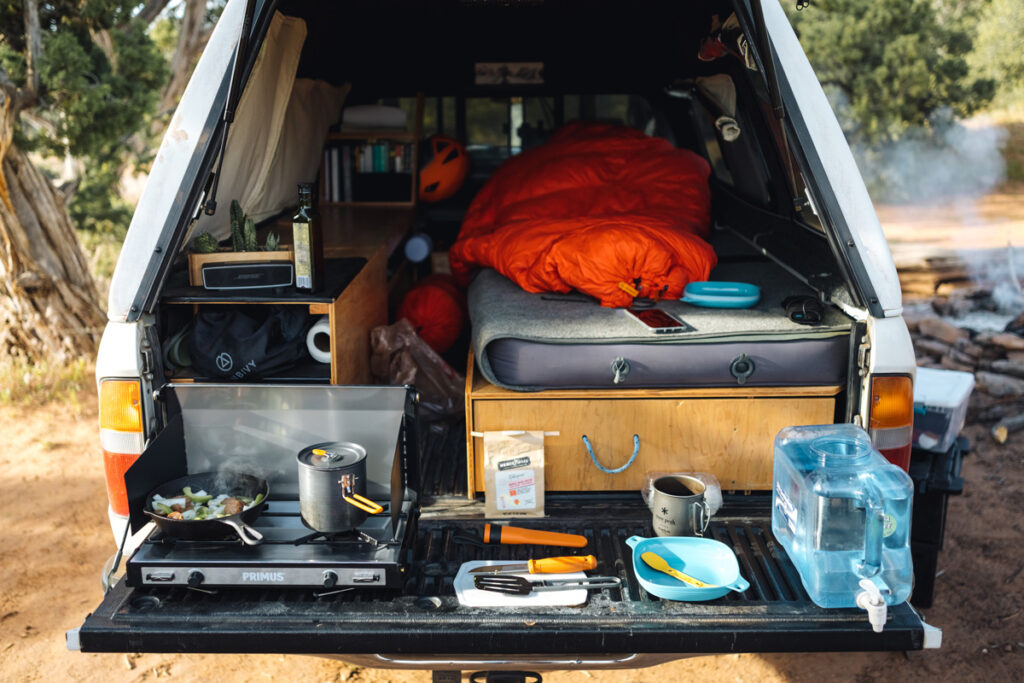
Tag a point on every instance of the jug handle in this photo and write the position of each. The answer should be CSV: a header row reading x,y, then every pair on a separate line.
x,y
874,522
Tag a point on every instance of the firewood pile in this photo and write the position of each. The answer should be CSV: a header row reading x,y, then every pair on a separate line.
x,y
995,357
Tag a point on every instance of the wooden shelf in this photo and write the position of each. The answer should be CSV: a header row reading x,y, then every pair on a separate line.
x,y
358,240
398,134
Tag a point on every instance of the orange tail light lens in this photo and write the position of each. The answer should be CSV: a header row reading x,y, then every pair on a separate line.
x,y
121,435
891,417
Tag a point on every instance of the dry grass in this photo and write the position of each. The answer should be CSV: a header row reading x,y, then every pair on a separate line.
x,y
35,385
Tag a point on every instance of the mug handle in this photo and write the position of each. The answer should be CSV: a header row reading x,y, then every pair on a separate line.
x,y
705,516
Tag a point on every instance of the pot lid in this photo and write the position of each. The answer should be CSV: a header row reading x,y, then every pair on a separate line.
x,y
332,455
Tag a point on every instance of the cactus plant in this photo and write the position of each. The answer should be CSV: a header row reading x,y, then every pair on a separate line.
x,y
250,235
205,243
273,242
237,226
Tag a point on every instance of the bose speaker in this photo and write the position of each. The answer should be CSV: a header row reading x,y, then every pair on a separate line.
x,y
265,275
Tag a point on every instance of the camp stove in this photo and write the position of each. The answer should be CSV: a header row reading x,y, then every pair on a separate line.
x,y
291,555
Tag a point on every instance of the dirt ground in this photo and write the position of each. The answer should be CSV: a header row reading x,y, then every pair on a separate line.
x,y
54,540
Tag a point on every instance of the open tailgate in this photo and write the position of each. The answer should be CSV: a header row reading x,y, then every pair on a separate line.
x,y
425,618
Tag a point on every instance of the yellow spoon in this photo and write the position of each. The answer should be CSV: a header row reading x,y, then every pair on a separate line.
x,y
657,562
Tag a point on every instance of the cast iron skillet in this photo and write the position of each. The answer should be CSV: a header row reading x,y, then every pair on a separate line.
x,y
214,483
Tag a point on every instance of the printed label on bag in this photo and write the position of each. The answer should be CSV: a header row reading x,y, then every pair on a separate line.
x,y
517,489
514,463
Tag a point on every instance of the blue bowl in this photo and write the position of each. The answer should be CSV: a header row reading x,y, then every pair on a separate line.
x,y
715,294
702,558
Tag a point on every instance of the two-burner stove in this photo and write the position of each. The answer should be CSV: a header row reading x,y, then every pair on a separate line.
x,y
291,555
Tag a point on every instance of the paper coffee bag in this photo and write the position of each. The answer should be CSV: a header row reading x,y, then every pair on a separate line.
x,y
514,474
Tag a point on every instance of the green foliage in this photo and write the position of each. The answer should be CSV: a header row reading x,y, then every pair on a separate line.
x,y
891,64
998,51
205,243
250,235
96,206
100,74
98,102
237,226
273,242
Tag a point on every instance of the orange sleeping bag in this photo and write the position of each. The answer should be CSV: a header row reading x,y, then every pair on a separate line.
x,y
595,206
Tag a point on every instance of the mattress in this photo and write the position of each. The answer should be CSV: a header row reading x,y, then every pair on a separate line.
x,y
532,342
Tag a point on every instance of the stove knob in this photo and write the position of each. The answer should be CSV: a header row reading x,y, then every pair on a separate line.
x,y
330,579
195,578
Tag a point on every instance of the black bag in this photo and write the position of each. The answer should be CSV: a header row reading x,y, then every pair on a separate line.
x,y
247,343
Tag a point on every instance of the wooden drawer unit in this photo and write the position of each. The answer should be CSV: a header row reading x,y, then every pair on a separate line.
x,y
728,432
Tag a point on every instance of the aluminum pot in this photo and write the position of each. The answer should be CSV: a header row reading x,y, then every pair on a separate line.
x,y
332,486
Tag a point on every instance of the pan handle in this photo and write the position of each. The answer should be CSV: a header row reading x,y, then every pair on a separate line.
x,y
364,504
245,532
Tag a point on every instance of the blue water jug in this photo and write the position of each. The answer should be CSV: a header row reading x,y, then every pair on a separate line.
x,y
842,512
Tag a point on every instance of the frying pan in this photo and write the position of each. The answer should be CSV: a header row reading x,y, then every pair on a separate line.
x,y
214,483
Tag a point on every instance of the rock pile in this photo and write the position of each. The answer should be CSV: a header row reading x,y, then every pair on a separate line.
x,y
946,335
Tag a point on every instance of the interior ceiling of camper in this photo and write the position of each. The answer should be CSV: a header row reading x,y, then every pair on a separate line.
x,y
391,47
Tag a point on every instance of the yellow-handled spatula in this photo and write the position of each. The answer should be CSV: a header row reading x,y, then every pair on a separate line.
x,y
655,561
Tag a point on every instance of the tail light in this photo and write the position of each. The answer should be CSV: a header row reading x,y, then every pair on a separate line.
x,y
121,435
891,417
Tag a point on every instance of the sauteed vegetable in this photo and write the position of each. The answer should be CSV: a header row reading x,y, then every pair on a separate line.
x,y
196,505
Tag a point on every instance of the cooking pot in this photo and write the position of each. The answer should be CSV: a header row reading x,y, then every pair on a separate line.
x,y
215,483
332,486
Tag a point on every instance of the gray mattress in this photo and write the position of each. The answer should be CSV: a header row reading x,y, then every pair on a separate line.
x,y
531,342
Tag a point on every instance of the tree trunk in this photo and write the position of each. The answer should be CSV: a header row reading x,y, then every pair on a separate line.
x,y
48,300
191,41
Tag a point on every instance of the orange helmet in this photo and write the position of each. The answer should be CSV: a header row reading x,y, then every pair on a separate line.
x,y
444,168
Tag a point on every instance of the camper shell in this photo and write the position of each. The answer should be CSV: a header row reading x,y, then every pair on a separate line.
x,y
789,207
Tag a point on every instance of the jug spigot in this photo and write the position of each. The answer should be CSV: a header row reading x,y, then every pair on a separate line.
x,y
870,599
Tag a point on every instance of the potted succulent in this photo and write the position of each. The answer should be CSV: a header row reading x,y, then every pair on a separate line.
x,y
244,247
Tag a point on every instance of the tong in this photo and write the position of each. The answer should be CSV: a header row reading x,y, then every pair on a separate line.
x,y
518,585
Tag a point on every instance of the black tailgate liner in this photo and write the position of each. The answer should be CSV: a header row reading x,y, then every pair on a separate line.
x,y
774,615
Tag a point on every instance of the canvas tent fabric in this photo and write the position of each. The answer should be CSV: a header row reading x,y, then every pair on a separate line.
x,y
279,129
274,143
596,206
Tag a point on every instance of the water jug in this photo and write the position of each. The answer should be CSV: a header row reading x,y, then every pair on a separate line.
x,y
842,512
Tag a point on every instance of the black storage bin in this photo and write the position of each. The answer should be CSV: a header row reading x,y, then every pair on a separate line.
x,y
936,477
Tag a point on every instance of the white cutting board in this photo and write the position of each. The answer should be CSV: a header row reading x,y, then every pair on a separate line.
x,y
471,596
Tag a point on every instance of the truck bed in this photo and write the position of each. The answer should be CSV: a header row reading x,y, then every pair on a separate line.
x,y
425,618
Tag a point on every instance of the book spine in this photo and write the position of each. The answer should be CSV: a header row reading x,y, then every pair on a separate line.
x,y
325,176
346,172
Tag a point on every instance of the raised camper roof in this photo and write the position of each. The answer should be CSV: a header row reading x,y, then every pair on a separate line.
x,y
302,54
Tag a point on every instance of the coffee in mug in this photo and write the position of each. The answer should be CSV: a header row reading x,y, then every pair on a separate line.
x,y
678,506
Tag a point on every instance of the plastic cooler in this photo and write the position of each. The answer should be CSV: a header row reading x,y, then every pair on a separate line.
x,y
940,407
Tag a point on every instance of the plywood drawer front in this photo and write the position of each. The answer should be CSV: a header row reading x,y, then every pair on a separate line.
x,y
730,438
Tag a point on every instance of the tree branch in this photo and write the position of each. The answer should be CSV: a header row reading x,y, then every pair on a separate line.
x,y
152,10
34,47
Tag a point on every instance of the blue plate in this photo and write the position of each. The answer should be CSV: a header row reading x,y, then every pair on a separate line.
x,y
722,294
702,558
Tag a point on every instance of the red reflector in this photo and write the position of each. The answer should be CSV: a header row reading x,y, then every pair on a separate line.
x,y
115,465
898,456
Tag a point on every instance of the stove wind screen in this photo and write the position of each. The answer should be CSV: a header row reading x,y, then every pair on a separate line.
x,y
260,428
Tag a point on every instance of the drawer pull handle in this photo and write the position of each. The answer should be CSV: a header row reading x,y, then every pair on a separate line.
x,y
606,470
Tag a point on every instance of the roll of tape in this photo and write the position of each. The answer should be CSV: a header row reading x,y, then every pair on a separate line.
x,y
318,340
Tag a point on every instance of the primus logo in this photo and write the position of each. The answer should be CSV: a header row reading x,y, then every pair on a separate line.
x,y
274,577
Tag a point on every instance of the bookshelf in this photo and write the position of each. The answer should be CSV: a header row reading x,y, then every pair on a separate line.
x,y
372,166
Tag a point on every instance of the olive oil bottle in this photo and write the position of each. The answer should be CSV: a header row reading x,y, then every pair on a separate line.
x,y
307,241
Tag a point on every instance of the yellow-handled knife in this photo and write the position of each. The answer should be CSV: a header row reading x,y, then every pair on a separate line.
x,y
548,565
